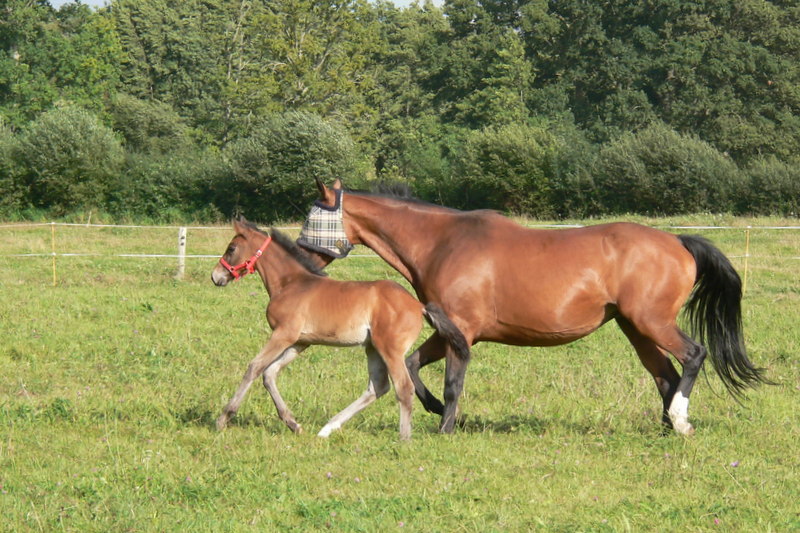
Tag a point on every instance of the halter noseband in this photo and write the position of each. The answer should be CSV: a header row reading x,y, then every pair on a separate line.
x,y
248,266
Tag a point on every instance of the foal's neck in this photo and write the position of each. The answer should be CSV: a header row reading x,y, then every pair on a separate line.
x,y
277,268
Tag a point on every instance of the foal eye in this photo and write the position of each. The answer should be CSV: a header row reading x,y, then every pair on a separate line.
x,y
231,249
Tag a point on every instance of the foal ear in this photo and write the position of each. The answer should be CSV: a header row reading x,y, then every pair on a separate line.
x,y
239,223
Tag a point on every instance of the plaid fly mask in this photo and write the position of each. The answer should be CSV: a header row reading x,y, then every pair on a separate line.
x,y
323,230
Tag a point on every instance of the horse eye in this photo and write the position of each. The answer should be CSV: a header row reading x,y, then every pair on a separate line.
x,y
231,249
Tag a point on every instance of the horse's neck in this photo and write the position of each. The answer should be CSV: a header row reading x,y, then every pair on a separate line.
x,y
399,233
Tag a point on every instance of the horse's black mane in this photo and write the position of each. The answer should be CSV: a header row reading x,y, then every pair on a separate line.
x,y
392,191
285,242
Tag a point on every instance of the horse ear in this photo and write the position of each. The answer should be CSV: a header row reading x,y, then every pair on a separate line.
x,y
337,184
326,195
321,187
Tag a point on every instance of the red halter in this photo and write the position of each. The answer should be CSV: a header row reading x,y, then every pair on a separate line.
x,y
248,266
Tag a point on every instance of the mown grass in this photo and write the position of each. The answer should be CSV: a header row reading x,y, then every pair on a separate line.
x,y
113,377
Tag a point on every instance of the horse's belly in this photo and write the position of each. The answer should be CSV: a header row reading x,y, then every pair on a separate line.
x,y
537,325
527,336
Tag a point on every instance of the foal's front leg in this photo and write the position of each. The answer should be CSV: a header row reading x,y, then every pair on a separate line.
x,y
276,346
270,382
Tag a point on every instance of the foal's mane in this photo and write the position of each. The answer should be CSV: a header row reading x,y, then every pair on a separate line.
x,y
297,253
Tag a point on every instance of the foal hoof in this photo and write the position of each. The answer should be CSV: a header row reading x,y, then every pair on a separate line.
x,y
222,422
295,427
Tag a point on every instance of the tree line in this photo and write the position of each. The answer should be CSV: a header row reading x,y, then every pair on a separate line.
x,y
155,110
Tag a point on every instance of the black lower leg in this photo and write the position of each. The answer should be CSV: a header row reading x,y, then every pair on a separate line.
x,y
453,385
694,358
667,390
428,400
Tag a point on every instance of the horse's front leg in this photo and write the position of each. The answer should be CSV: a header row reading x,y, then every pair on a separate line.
x,y
430,351
276,346
270,382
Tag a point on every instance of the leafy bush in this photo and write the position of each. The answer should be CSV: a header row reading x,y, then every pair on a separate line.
x,y
12,196
272,170
168,187
773,188
573,190
67,159
148,126
659,171
517,168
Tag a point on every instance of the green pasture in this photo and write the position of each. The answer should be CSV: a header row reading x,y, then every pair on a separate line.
x,y
112,379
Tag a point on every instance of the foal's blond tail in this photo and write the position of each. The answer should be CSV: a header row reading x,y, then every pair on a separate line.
x,y
439,320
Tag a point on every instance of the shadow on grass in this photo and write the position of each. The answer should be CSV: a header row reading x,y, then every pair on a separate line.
x,y
196,416
471,424
505,424
530,424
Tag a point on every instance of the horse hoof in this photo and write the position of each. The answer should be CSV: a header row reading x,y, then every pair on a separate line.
x,y
296,428
684,429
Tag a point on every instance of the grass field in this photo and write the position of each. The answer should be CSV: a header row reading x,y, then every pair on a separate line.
x,y
112,379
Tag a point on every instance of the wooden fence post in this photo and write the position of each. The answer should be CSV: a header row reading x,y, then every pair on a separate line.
x,y
53,249
181,252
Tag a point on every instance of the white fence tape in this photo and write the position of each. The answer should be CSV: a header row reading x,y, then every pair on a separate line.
x,y
180,255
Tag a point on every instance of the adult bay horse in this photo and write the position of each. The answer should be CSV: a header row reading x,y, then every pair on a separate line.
x,y
501,282
306,308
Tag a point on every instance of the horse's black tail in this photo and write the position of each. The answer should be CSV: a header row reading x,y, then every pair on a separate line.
x,y
715,314
437,318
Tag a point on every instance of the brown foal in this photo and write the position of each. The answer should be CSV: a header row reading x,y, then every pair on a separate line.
x,y
307,308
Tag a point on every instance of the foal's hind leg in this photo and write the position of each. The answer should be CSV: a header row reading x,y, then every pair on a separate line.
x,y
393,353
274,348
270,382
377,387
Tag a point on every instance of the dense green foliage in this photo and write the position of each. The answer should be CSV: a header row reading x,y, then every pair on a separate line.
x,y
547,108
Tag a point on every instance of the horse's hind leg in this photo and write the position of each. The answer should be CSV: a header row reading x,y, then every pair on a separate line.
x,y
270,382
430,351
455,371
691,356
274,348
657,362
377,387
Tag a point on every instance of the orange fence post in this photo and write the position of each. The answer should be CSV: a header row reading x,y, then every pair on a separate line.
x,y
746,257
